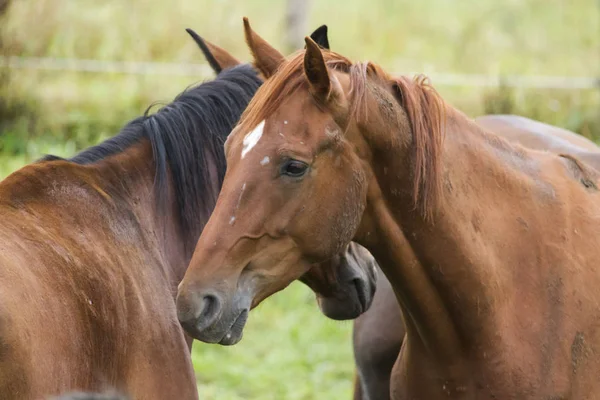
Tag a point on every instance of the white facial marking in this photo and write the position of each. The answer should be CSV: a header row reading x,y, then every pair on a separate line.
x,y
232,219
252,138
285,122
240,198
265,161
331,133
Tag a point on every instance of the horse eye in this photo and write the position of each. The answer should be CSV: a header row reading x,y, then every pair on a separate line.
x,y
294,168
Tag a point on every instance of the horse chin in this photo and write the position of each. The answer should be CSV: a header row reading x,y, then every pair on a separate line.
x,y
350,303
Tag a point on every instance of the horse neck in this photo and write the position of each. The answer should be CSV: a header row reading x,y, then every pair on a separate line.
x,y
131,176
437,268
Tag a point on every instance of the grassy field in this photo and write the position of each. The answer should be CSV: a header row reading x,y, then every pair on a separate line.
x,y
290,350
530,37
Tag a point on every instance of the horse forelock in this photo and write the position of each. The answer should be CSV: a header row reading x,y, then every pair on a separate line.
x,y
424,108
288,79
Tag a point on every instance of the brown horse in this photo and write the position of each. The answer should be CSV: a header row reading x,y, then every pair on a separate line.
x,y
337,301
379,332
490,248
92,250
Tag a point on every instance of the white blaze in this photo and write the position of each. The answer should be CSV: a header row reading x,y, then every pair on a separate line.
x,y
252,138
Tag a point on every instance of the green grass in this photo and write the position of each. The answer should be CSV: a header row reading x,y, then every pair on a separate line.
x,y
290,351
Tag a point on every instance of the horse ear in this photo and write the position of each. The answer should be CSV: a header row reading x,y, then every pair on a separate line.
x,y
320,37
266,58
316,70
218,58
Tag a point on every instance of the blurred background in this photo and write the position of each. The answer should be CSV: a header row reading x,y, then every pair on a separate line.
x,y
72,72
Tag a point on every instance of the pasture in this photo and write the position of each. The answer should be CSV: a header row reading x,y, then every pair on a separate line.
x,y
290,350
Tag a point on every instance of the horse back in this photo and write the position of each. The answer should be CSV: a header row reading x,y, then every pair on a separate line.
x,y
536,135
78,292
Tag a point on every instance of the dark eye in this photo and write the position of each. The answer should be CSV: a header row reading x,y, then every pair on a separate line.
x,y
294,168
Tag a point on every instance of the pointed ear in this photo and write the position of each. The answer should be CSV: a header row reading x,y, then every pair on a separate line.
x,y
316,71
320,37
218,58
266,58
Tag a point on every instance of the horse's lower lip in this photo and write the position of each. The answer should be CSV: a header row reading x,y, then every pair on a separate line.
x,y
228,339
234,333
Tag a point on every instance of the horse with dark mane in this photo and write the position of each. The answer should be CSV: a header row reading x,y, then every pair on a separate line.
x,y
92,249
490,248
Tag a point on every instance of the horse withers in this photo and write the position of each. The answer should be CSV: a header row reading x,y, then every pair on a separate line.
x,y
489,247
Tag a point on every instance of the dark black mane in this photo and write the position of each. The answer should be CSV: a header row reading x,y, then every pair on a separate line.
x,y
186,135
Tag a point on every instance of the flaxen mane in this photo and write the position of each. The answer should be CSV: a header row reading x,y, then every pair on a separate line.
x,y
424,108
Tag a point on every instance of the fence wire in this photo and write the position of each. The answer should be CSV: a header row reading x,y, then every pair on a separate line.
x,y
184,69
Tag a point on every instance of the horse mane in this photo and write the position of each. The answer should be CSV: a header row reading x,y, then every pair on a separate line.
x,y
186,136
424,108
426,112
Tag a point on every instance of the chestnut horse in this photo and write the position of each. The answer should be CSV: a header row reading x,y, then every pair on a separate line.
x,y
379,332
93,248
490,248
337,301
344,285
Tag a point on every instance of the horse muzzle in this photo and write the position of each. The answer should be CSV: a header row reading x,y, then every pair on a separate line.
x,y
211,316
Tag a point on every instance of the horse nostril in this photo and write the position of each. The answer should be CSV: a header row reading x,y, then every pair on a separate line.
x,y
209,308
197,311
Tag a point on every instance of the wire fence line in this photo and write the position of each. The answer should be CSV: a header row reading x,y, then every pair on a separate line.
x,y
98,66
184,69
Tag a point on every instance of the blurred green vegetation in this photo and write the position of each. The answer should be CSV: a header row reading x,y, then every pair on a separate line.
x,y
290,350
537,37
